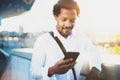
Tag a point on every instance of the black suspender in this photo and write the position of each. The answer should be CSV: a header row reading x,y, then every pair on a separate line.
x,y
63,49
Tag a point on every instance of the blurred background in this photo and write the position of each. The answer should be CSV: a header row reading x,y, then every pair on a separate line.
x,y
22,21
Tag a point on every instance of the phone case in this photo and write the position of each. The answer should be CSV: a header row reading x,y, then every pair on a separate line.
x,y
73,55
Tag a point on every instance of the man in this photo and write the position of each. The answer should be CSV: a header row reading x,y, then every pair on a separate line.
x,y
48,59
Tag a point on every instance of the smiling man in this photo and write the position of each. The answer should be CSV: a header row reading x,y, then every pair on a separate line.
x,y
66,21
48,61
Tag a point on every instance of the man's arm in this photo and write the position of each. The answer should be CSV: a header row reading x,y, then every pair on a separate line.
x,y
94,55
94,74
61,67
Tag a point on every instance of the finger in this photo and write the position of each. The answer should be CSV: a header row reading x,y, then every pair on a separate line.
x,y
67,61
67,66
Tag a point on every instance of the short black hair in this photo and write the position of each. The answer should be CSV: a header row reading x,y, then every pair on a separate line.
x,y
69,4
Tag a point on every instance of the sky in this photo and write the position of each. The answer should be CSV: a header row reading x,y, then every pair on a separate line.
x,y
97,16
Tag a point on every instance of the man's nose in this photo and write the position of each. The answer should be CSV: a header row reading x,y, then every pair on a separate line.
x,y
68,24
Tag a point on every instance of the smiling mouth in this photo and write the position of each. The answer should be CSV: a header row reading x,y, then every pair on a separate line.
x,y
68,29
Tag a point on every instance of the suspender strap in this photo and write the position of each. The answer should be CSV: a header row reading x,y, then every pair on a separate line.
x,y
63,49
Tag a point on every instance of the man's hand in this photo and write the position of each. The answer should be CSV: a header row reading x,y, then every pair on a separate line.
x,y
61,67
93,74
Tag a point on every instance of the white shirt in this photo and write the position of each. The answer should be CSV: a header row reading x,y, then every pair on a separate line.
x,y
47,52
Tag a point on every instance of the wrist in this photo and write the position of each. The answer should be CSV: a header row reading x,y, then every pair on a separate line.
x,y
96,71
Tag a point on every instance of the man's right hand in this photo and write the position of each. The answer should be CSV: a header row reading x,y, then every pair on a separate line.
x,y
61,67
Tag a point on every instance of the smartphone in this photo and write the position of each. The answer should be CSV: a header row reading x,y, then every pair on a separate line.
x,y
72,55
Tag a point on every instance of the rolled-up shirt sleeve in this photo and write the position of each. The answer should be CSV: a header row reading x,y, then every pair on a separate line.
x,y
38,69
95,59
94,55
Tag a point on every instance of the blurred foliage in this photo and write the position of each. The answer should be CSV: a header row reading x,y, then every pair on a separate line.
x,y
112,47
114,50
117,37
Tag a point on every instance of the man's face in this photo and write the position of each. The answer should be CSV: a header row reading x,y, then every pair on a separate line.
x,y
66,21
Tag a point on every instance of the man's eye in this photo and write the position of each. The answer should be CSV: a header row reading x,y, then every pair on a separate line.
x,y
63,19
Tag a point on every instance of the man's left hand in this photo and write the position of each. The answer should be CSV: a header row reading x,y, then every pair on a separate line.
x,y
93,74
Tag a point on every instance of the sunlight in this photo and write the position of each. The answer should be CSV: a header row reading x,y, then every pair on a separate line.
x,y
101,17
111,59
